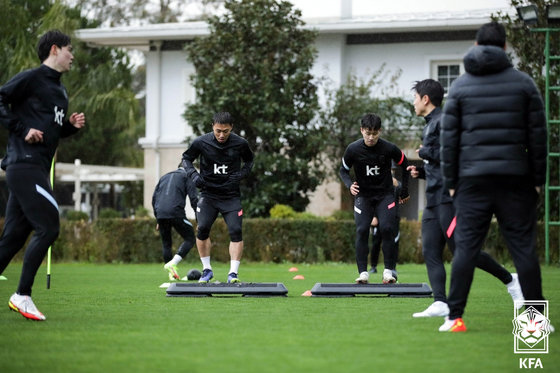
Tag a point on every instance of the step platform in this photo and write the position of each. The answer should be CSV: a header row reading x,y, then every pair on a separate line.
x,y
420,290
246,289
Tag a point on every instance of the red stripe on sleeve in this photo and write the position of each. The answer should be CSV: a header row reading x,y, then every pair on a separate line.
x,y
402,158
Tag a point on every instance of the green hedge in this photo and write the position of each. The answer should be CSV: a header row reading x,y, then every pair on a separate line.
x,y
268,240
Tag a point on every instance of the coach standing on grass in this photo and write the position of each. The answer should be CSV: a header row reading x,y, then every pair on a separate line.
x,y
221,153
493,159
33,107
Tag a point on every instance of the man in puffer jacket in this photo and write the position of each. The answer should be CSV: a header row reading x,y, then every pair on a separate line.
x,y
493,159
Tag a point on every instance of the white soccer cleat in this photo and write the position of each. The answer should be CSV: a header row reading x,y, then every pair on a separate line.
x,y
388,277
514,289
24,305
363,279
436,309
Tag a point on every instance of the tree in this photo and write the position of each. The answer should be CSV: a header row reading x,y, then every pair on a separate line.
x,y
528,48
256,64
98,83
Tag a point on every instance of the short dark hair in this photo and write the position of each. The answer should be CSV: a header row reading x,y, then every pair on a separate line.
x,y
50,38
222,117
431,88
491,33
371,121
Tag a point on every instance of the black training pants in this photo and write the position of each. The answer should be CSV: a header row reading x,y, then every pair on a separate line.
x,y
513,201
385,209
185,230
437,229
31,207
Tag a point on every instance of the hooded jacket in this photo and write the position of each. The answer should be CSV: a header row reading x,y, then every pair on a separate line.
x,y
493,121
170,194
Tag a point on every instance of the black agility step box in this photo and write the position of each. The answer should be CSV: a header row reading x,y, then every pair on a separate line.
x,y
392,290
247,289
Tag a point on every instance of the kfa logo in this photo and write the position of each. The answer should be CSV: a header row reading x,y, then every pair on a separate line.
x,y
530,362
531,328
372,171
220,170
58,115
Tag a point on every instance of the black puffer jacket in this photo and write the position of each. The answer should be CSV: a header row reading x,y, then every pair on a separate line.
x,y
493,121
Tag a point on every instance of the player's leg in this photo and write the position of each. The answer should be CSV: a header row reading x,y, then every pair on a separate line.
x,y
234,222
517,217
165,226
433,243
473,206
206,215
14,234
34,195
363,214
386,211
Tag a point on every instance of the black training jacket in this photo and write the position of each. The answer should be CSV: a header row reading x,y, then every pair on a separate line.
x,y
429,152
220,164
37,99
372,167
493,121
170,194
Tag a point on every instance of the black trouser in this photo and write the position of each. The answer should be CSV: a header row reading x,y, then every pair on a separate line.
x,y
376,243
513,200
31,207
207,212
385,209
185,230
437,230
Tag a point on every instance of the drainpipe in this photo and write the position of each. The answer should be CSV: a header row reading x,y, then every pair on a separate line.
x,y
157,44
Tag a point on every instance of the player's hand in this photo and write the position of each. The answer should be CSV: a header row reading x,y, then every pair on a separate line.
x,y
198,180
354,189
77,120
157,227
404,200
451,192
34,136
413,171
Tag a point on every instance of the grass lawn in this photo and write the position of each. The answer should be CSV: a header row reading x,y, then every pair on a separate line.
x,y
115,318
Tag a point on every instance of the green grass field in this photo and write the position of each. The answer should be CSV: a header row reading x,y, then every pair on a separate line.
x,y
115,318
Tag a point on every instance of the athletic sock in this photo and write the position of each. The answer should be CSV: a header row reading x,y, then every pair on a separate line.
x,y
176,259
206,262
234,266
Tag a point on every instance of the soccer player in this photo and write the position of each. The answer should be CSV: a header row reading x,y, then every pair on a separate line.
x,y
371,158
33,108
493,160
221,153
168,202
439,214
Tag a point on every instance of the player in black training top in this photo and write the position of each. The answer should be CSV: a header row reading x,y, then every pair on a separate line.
x,y
371,159
33,107
221,153
168,202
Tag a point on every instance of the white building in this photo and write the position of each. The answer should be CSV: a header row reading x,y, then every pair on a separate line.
x,y
424,43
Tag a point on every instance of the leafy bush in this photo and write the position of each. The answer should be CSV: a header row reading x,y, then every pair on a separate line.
x,y
76,215
109,213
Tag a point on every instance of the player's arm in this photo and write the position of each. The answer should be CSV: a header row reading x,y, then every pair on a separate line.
x,y
14,91
400,160
248,158
345,167
189,156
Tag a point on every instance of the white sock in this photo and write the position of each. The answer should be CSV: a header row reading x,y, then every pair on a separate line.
x,y
176,259
234,266
206,262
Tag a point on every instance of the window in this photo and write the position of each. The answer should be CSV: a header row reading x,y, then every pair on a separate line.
x,y
446,72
